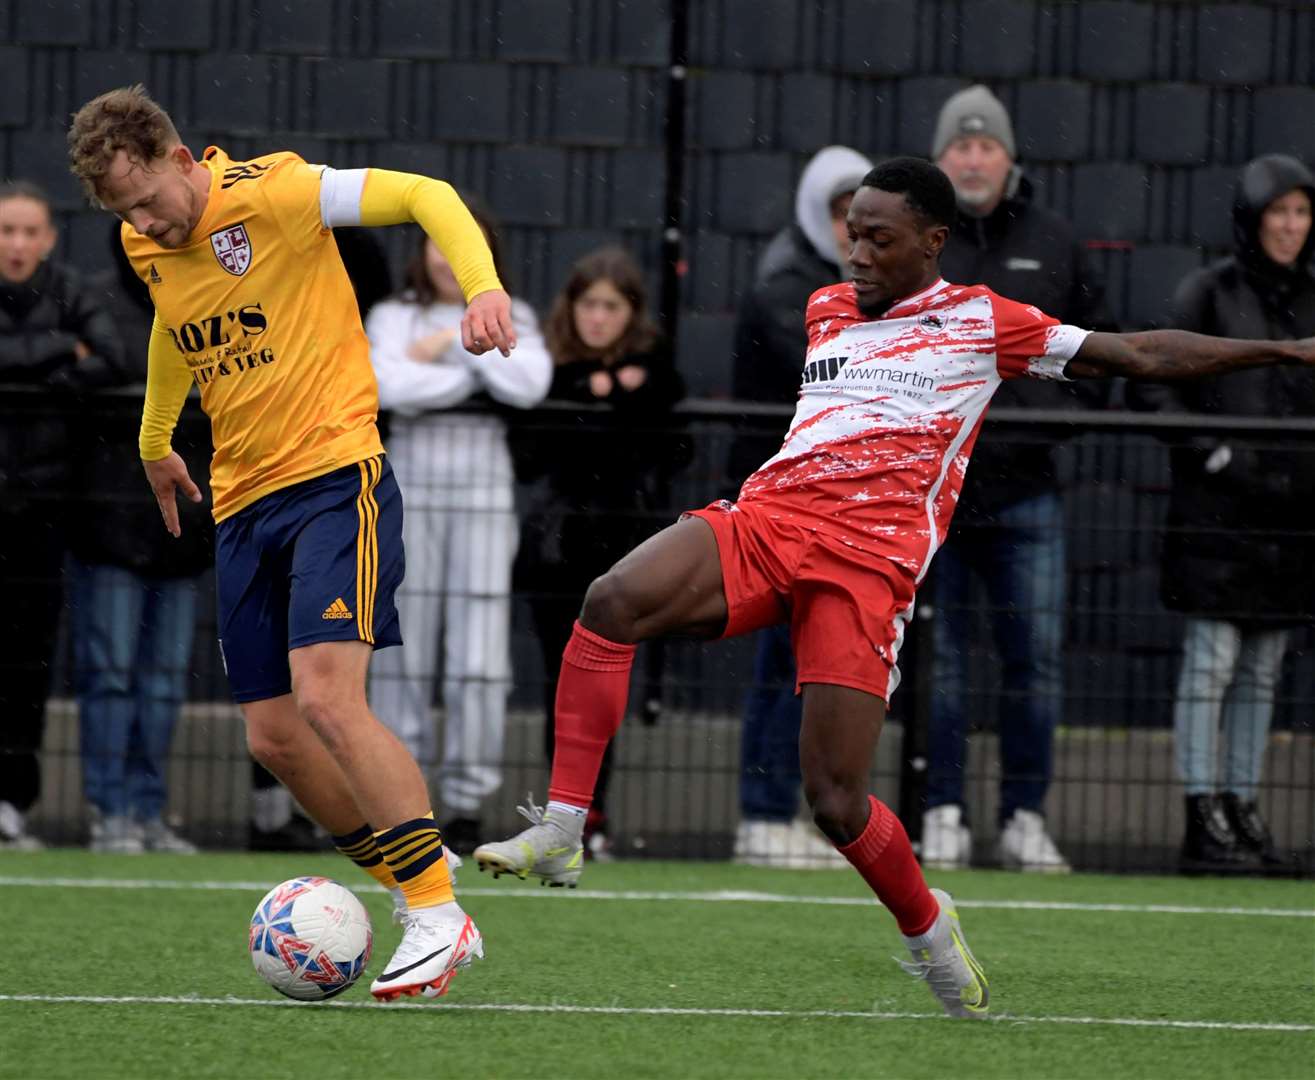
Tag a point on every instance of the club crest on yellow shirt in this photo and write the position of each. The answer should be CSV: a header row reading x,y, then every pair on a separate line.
x,y
232,248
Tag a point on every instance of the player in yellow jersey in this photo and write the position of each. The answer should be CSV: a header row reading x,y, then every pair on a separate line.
x,y
253,307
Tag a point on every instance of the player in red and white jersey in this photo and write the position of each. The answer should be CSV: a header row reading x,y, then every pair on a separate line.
x,y
890,408
833,534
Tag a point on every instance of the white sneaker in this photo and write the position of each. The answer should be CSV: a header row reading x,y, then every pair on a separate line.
x,y
942,958
816,848
764,843
116,834
946,842
600,848
13,830
157,836
1024,844
784,845
436,942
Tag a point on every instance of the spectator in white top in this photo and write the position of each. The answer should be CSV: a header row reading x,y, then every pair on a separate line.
x,y
460,531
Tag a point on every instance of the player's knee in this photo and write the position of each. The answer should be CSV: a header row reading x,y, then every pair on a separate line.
x,y
327,714
838,810
275,754
610,608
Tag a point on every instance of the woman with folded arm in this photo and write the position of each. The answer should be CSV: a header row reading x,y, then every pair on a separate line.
x,y
460,530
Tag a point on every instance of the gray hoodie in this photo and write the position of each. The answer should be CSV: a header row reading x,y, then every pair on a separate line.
x,y
769,333
832,171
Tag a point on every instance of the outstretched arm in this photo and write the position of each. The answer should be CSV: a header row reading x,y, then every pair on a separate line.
x,y
1177,354
383,197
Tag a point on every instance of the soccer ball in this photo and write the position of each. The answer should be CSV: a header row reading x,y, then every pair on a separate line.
x,y
310,938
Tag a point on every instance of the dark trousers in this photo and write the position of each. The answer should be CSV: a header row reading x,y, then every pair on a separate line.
x,y
1021,563
769,753
32,585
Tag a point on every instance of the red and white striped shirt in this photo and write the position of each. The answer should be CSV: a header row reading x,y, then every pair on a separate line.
x,y
890,408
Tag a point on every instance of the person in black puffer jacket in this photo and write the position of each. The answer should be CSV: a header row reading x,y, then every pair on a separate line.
x,y
55,342
1237,546
133,595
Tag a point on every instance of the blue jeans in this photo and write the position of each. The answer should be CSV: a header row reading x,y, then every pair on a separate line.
x,y
1228,674
769,758
1021,564
132,644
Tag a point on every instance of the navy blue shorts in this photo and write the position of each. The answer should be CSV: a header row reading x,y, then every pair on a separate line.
x,y
317,561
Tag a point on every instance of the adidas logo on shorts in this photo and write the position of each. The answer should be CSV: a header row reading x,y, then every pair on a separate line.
x,y
337,610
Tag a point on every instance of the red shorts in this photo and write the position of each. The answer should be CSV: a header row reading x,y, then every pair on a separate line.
x,y
847,608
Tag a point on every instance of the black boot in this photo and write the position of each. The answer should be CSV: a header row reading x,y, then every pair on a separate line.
x,y
1209,846
1251,831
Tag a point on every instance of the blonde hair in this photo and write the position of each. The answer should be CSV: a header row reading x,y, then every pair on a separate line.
x,y
126,119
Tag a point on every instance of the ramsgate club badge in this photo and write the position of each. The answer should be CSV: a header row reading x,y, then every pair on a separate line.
x,y
232,249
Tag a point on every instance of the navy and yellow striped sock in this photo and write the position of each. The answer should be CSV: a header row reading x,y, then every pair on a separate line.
x,y
359,846
413,851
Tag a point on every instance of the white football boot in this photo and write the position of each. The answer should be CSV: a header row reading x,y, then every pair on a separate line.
x,y
436,943
552,848
942,959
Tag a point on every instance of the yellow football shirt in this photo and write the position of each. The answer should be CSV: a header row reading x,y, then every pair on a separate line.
x,y
264,317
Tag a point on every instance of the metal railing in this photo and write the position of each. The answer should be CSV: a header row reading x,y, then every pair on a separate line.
x,y
1114,799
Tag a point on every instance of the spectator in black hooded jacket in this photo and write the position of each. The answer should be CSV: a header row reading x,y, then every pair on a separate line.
x,y
55,340
133,594
770,341
1237,549
1008,529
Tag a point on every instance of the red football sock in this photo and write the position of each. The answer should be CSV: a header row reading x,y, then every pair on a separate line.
x,y
884,857
591,701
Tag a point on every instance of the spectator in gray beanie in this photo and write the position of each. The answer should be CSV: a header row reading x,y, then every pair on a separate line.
x,y
973,112
1007,535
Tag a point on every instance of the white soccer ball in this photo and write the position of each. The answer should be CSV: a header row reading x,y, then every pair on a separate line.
x,y
310,938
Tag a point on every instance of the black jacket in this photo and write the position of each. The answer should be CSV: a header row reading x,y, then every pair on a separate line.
x,y
770,339
122,524
770,342
1238,539
612,460
604,472
1029,254
41,323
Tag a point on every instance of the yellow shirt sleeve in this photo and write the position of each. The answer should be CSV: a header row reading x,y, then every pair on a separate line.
x,y
292,189
168,383
390,198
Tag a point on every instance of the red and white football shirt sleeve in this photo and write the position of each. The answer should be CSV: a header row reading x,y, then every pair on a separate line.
x,y
830,310
1030,342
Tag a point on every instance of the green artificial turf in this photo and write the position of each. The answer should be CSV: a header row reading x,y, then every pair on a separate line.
x,y
633,951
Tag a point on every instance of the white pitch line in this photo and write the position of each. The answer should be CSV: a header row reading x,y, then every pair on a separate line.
x,y
622,1010
722,896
